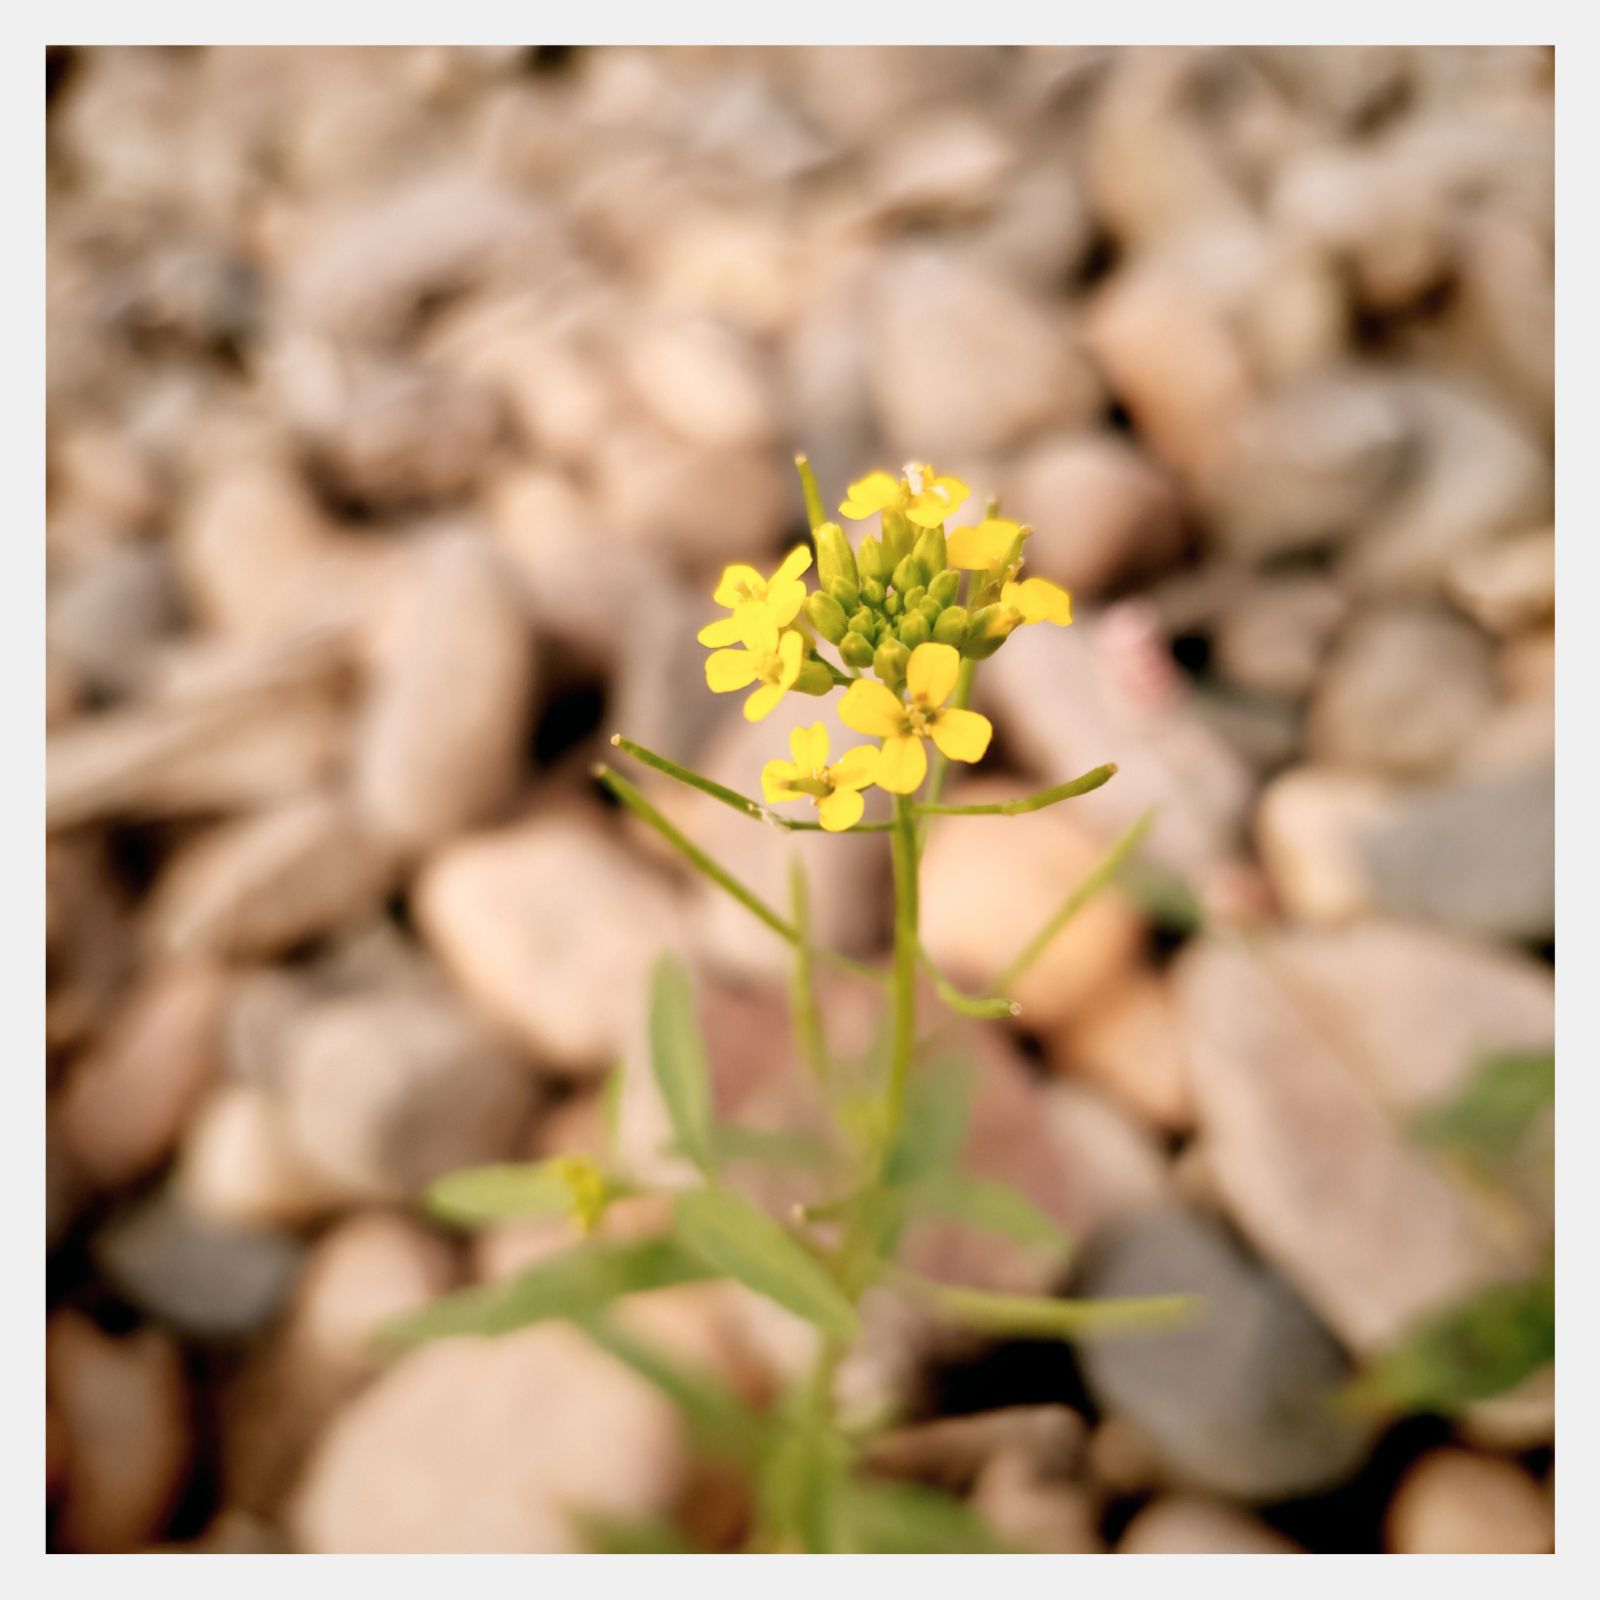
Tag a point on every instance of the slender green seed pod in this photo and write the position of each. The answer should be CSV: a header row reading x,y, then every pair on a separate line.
x,y
814,677
834,557
951,628
846,592
889,662
929,551
870,563
946,586
826,615
913,630
855,650
873,591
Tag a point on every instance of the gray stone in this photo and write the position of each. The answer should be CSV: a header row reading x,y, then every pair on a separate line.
x,y
1238,1399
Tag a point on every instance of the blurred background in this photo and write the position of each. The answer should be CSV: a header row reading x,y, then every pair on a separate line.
x,y
403,407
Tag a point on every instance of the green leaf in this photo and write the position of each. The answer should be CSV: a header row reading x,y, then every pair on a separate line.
x,y
732,1142
737,1240
717,1418
584,1279
1163,896
678,1059
885,1518
1477,1349
1488,1119
477,1195
994,1207
935,1120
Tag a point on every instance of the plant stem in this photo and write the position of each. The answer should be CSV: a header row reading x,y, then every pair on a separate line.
x,y
904,849
1023,1314
941,764
808,1016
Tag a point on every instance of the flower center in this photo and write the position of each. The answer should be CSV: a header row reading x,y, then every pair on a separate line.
x,y
771,667
920,718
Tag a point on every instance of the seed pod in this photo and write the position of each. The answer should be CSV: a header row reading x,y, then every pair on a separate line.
x,y
914,630
873,591
826,615
889,662
930,552
814,677
855,650
909,574
834,558
870,563
946,586
951,628
846,592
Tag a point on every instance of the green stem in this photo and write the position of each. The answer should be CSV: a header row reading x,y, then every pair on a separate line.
x,y
815,515
1031,1314
983,1007
1097,878
904,850
1029,802
808,1016
941,764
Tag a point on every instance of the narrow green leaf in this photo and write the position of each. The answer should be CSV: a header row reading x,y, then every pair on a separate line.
x,y
1476,1349
875,1517
475,1195
994,1207
935,1120
1496,1107
1042,1316
678,1059
734,1238
584,1279
732,1141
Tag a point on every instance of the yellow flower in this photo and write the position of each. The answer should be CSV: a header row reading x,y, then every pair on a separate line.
x,y
835,790
1038,600
984,546
874,709
770,658
780,596
922,495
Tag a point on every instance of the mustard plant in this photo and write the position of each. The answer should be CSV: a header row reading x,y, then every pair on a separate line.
x,y
896,624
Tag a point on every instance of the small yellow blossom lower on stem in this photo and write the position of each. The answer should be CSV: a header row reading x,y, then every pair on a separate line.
x,y
780,596
874,709
1038,600
924,497
769,658
834,790
979,548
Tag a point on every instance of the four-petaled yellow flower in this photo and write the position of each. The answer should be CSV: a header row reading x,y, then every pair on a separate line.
x,y
770,658
780,596
924,497
979,548
835,790
874,709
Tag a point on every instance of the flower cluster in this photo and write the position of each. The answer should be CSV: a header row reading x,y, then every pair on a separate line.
x,y
902,609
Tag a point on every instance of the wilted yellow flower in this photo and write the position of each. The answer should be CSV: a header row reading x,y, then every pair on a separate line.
x,y
1037,600
780,596
770,658
874,709
835,790
922,495
979,548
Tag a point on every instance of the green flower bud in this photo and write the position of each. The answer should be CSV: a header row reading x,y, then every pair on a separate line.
x,y
826,615
929,551
834,559
946,586
863,622
870,563
931,609
951,628
987,631
873,591
889,662
845,591
897,538
855,650
914,630
915,597
814,678
894,605
909,574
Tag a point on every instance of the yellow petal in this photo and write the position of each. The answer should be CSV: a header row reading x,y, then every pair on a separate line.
x,y
727,670
869,495
872,708
940,498
724,631
931,673
840,810
855,769
978,548
738,584
962,735
762,701
809,747
1039,600
902,764
785,596
776,777
756,628
791,651
797,561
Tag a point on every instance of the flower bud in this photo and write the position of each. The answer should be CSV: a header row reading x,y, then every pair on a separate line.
x,y
863,622
855,650
951,628
945,586
889,662
873,591
897,537
988,630
909,574
894,605
915,597
845,591
931,609
913,630
929,551
814,678
870,563
834,559
826,615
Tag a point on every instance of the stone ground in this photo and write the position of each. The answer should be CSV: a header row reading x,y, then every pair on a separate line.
x,y
404,404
